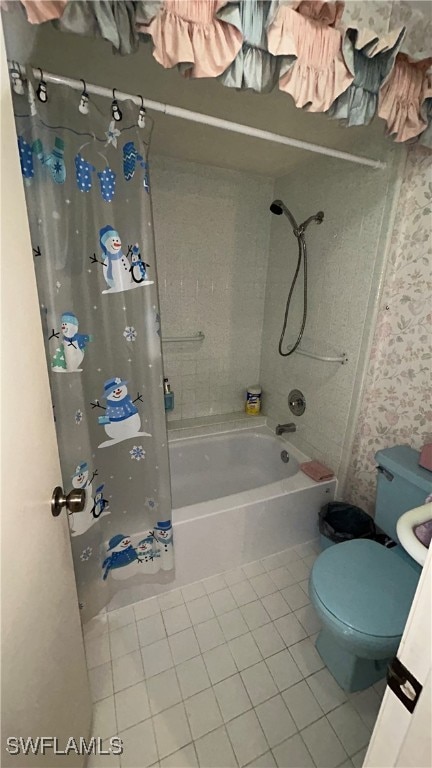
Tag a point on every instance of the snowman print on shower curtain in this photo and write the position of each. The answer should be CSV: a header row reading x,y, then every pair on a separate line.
x,y
70,354
141,553
145,551
95,506
121,419
120,553
163,534
119,273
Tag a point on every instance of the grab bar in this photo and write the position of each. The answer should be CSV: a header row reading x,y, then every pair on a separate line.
x,y
200,336
342,359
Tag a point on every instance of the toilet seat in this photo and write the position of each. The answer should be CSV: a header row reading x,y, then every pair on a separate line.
x,y
364,589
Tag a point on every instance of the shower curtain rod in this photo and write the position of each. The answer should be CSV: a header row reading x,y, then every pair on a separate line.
x,y
216,122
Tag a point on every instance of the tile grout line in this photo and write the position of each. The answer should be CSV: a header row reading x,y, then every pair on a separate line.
x,y
337,735
114,701
242,713
224,725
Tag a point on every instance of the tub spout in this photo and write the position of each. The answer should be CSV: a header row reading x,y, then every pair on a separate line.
x,y
281,428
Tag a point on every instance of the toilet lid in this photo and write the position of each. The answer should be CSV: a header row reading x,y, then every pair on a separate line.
x,y
365,586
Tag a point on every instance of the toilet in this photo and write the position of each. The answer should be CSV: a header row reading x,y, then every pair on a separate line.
x,y
361,590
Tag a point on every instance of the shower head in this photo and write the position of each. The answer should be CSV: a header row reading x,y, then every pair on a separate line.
x,y
276,207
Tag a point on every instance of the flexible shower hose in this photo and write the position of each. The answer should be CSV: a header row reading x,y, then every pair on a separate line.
x,y
301,253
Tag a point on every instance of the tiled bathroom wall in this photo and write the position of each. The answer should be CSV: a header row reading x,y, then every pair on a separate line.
x,y
212,233
344,270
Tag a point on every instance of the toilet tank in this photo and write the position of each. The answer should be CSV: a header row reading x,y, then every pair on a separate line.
x,y
401,485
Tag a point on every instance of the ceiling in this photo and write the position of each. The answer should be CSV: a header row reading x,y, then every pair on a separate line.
x,y
93,60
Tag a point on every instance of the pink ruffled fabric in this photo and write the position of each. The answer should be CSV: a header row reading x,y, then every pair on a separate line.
x,y
402,98
39,11
318,73
187,32
328,13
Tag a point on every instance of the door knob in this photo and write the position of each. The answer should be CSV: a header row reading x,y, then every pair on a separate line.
x,y
74,501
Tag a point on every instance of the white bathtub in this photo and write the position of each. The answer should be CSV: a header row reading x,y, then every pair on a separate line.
x,y
235,500
205,468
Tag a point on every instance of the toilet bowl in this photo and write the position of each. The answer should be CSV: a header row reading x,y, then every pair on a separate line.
x,y
362,593
361,590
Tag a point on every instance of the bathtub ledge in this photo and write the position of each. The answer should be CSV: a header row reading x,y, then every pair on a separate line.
x,y
211,425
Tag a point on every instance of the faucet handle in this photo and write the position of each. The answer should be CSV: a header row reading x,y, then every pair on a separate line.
x,y
297,402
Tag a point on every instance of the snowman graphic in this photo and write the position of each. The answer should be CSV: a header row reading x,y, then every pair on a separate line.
x,y
69,356
144,549
117,270
80,478
147,554
121,419
138,268
80,522
121,554
163,534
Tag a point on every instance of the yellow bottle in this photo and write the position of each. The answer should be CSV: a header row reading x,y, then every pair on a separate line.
x,y
253,400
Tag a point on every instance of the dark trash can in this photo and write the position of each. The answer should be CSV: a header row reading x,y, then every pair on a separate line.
x,y
339,521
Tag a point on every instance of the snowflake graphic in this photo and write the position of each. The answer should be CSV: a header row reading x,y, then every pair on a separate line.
x,y
78,417
130,333
112,133
137,453
151,504
86,554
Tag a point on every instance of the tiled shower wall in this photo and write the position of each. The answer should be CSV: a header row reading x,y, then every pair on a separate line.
x,y
344,270
212,234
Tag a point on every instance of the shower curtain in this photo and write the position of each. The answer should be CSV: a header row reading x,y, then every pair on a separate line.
x,y
88,196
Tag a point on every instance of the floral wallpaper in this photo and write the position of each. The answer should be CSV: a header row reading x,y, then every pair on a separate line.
x,y
397,401
385,15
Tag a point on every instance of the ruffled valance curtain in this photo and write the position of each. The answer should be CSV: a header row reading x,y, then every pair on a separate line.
x,y
315,71
188,34
254,66
351,60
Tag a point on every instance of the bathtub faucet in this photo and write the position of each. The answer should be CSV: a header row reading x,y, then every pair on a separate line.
x,y
281,428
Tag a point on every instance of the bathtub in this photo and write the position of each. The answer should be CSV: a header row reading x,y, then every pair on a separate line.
x,y
235,500
215,466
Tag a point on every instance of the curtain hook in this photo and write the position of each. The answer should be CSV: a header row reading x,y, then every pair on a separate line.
x,y
142,113
83,105
42,92
116,112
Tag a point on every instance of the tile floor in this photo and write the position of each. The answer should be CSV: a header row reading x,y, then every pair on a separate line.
x,y
224,673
